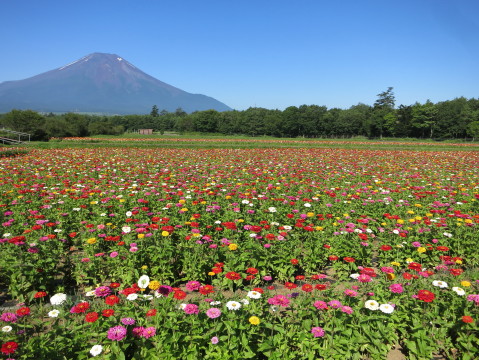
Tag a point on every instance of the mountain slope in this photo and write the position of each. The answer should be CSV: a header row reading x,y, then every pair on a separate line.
x,y
98,82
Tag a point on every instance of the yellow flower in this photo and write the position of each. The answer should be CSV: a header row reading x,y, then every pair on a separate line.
x,y
395,263
310,214
465,283
91,241
182,201
458,261
409,260
400,221
184,209
232,247
153,285
421,250
165,233
254,320
141,236
144,267
211,273
410,212
390,276
319,228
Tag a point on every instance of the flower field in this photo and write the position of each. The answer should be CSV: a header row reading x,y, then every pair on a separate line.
x,y
279,253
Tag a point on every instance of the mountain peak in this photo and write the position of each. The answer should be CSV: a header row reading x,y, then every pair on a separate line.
x,y
99,82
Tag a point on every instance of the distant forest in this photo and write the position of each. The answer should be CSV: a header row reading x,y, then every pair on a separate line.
x,y
452,119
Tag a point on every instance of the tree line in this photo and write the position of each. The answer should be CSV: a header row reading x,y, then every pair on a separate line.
x,y
451,119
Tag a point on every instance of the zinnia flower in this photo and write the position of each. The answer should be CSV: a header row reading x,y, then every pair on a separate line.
x,y
371,305
9,347
254,320
233,305
58,299
96,350
317,331
143,281
213,313
386,308
117,333
191,309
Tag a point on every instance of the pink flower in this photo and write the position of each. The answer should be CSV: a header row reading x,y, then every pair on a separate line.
x,y
213,313
214,340
102,291
117,333
320,305
192,285
335,304
350,292
396,288
347,309
317,332
279,300
191,309
148,332
364,278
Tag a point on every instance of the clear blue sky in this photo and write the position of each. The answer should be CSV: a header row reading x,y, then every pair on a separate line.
x,y
264,53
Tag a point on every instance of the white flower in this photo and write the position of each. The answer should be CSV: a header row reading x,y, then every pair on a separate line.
x,y
213,303
58,299
354,276
287,227
148,297
126,229
6,329
244,301
307,205
132,297
459,291
96,350
253,294
371,305
128,213
233,305
440,284
182,306
54,313
76,209
90,293
386,308
245,202
272,209
143,281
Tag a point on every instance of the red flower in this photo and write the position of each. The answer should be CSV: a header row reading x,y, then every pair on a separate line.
x,y
407,276
456,272
349,259
112,300
249,277
80,307
333,258
386,247
368,271
233,275
151,312
91,317
23,311
467,319
260,290
40,294
108,312
252,271
414,266
9,347
426,295
217,270
72,234
206,289
307,288
290,285
300,277
321,287
294,261
179,294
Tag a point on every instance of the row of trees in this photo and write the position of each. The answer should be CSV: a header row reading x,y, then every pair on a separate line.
x,y
452,119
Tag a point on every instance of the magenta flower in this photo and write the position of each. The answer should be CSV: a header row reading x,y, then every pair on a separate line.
x,y
364,278
213,313
9,317
192,285
350,292
335,304
148,332
320,305
117,333
128,321
102,291
191,309
347,309
396,288
279,300
138,331
214,340
317,332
